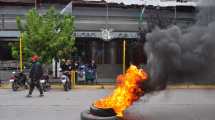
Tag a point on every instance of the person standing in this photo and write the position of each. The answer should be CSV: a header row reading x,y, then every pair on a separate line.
x,y
63,65
91,72
92,65
35,76
69,65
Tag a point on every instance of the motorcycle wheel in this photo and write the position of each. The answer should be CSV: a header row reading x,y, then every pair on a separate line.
x,y
14,86
44,88
66,87
26,86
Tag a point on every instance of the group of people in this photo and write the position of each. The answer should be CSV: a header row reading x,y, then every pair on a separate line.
x,y
36,72
69,65
89,69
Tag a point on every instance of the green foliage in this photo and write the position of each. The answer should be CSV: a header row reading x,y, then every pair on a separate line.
x,y
15,50
50,35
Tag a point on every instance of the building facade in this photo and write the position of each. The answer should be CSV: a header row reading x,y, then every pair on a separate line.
x,y
100,29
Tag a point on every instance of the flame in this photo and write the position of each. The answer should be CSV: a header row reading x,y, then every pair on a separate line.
x,y
126,92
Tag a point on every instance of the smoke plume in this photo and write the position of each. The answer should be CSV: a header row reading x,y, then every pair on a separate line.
x,y
183,56
176,55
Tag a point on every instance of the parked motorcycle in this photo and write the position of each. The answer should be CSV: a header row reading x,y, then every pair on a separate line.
x,y
18,80
65,80
44,83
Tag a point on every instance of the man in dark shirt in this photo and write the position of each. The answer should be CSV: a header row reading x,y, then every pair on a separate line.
x,y
35,76
91,72
92,65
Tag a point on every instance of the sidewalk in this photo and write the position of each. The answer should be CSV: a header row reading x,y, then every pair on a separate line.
x,y
110,83
111,86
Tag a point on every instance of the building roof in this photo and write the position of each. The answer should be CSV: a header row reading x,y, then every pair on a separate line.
x,y
151,2
162,3
14,1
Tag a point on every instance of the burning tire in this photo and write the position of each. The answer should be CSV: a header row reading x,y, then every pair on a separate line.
x,y
113,106
86,115
102,112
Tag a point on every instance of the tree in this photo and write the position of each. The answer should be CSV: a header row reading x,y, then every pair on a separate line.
x,y
50,35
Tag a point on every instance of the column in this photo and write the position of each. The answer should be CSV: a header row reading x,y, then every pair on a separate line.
x,y
112,51
93,50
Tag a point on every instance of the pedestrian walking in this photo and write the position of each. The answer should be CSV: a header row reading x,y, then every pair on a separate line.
x,y
35,75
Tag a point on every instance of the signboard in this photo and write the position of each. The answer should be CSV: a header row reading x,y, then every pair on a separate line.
x,y
84,34
106,35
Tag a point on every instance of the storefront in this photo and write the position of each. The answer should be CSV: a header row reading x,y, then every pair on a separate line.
x,y
101,28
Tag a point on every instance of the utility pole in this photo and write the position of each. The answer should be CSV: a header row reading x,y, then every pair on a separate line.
x,y
20,53
124,57
35,4
175,17
107,14
106,27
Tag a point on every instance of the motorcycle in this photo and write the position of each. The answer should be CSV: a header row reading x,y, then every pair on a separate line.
x,y
18,80
44,83
65,81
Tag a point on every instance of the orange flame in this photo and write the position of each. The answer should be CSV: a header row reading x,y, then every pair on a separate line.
x,y
126,92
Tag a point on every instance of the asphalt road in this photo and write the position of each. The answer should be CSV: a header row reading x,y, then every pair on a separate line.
x,y
55,105
174,104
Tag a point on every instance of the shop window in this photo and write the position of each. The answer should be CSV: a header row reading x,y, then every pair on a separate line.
x,y
5,51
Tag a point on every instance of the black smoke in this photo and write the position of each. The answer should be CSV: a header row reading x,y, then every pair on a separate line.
x,y
179,55
176,55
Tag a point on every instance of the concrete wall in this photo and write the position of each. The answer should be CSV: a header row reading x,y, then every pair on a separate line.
x,y
94,18
86,17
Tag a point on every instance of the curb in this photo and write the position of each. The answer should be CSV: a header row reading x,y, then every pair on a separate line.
x,y
59,86
183,86
191,86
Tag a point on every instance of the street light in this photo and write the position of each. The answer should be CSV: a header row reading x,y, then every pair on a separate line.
x,y
175,11
106,33
35,4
